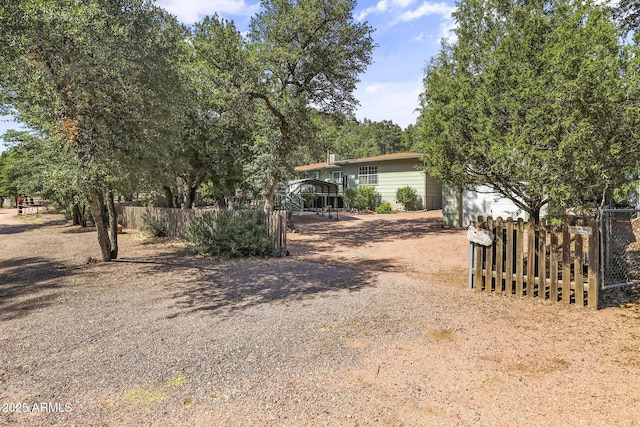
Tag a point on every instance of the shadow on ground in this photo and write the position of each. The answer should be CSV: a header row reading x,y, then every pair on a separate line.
x,y
21,228
207,285
375,231
29,284
625,297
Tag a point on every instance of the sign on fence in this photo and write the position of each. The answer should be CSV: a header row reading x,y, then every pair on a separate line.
x,y
575,229
480,236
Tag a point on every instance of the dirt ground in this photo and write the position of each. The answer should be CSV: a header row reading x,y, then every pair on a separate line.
x,y
369,321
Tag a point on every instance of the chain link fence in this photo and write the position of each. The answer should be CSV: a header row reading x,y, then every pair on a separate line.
x,y
620,247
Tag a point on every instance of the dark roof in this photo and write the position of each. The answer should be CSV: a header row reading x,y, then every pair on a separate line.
x,y
384,157
316,166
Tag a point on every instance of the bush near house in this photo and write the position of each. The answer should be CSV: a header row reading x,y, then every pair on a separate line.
x,y
408,196
362,198
228,234
384,208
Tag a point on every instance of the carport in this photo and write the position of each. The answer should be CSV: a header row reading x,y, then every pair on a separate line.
x,y
327,193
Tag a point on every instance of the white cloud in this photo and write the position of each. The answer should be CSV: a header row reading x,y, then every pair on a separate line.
x,y
190,11
427,8
383,6
445,29
375,88
395,101
419,37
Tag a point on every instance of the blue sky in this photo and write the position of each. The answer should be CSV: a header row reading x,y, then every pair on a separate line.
x,y
408,34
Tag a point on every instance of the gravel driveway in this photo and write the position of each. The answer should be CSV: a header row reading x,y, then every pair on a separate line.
x,y
368,322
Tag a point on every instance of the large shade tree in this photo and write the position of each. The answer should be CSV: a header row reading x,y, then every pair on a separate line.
x,y
217,130
101,77
305,54
537,99
627,12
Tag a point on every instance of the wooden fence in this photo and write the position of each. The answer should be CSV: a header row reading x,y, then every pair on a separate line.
x,y
177,222
538,261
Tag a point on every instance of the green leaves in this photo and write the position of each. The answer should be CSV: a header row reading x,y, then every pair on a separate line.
x,y
535,99
99,75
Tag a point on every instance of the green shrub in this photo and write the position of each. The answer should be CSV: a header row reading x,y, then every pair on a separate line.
x,y
408,196
349,196
362,198
368,197
153,226
384,208
228,234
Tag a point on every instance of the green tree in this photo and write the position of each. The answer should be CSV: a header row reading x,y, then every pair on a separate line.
x,y
627,13
349,138
101,76
537,99
39,165
307,54
214,143
411,138
13,172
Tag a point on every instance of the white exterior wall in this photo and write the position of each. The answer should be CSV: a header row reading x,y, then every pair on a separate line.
x,y
485,202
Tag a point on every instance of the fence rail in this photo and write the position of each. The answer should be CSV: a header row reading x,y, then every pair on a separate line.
x,y
177,222
538,261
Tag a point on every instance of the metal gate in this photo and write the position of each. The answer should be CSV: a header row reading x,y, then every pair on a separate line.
x,y
620,247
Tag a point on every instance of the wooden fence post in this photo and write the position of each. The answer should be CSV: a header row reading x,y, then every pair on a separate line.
x,y
566,263
531,258
489,284
577,270
509,257
541,257
499,245
479,251
594,252
520,258
553,265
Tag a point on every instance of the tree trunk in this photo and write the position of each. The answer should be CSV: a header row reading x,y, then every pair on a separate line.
x,y
113,225
97,208
168,195
535,215
271,194
77,217
190,194
75,214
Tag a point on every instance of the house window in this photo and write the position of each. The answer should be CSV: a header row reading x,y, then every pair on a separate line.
x,y
316,175
337,177
368,175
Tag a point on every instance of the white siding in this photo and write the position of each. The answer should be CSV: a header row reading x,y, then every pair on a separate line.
x,y
486,202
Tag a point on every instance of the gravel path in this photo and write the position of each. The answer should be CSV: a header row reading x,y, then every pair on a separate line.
x,y
368,322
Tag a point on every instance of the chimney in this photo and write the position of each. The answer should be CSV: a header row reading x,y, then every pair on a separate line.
x,y
333,158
